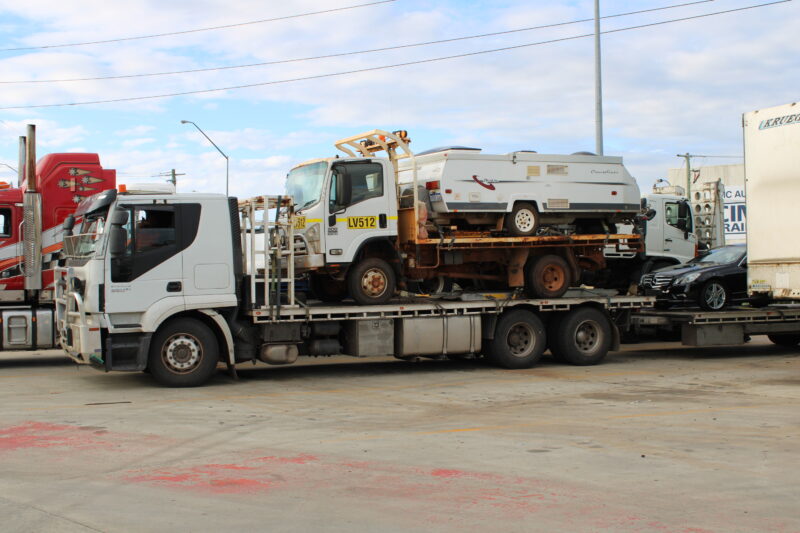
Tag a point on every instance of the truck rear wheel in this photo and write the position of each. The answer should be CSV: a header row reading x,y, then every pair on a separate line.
x,y
523,220
582,337
519,340
371,281
787,340
547,276
183,353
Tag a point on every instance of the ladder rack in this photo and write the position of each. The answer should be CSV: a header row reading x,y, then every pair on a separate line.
x,y
267,232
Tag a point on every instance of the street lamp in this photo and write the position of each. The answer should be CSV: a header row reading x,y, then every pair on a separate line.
x,y
12,168
227,161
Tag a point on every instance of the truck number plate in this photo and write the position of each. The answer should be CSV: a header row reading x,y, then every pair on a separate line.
x,y
361,222
299,222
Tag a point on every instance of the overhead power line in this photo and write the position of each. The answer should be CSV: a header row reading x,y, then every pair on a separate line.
x,y
196,30
396,65
343,54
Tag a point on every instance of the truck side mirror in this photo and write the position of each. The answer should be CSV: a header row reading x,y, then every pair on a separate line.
x,y
119,218
681,224
684,210
68,224
347,190
117,240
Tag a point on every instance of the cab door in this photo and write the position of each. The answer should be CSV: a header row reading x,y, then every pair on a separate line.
x,y
360,206
150,271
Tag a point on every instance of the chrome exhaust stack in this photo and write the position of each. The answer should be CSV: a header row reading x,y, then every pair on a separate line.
x,y
31,217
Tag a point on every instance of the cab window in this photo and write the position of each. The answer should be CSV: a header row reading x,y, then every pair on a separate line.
x,y
352,183
5,222
673,214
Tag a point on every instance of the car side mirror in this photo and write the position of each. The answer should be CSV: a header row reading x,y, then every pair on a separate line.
x,y
117,240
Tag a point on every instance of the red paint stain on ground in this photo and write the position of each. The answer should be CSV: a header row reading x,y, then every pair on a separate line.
x,y
211,478
44,435
297,459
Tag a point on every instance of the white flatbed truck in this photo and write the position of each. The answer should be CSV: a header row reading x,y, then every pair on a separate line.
x,y
177,283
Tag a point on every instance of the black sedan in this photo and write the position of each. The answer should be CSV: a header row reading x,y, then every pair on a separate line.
x,y
712,280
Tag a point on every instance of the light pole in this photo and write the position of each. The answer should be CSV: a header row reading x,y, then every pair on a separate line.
x,y
227,161
598,82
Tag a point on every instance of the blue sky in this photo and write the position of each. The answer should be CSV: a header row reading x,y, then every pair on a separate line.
x,y
667,89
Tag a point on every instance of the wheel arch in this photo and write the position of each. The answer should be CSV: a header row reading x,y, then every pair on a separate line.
x,y
214,321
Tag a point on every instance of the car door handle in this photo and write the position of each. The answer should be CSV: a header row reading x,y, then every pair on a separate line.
x,y
667,240
174,286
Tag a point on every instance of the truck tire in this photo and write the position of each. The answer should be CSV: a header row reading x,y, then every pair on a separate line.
x,y
184,353
583,337
523,221
547,276
787,340
519,340
713,295
371,281
437,285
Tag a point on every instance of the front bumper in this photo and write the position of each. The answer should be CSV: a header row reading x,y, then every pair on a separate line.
x,y
673,295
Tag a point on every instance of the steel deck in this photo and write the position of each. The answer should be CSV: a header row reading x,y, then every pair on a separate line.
x,y
427,307
740,315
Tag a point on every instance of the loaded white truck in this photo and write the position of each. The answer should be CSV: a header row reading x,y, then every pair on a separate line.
x,y
772,184
176,283
366,224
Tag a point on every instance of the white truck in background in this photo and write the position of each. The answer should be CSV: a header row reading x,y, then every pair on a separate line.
x,y
772,183
667,226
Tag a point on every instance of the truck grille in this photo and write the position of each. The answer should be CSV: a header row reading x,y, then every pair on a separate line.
x,y
655,281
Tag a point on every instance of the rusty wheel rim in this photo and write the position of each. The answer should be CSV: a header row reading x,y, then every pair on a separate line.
x,y
553,277
374,282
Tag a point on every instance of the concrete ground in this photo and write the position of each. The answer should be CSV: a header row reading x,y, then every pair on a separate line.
x,y
658,438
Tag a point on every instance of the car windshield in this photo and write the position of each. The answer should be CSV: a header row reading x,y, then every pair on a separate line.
x,y
85,242
304,183
720,256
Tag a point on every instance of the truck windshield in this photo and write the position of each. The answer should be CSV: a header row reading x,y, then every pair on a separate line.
x,y
84,243
304,183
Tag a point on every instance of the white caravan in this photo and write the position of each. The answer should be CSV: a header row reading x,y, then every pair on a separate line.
x,y
480,189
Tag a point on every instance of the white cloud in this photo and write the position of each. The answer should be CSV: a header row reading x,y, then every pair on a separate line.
x,y
135,131
668,89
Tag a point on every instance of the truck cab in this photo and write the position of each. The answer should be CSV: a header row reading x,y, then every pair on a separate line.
x,y
669,235
139,257
341,205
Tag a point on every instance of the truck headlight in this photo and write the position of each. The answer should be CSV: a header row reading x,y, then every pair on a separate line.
x,y
312,235
687,278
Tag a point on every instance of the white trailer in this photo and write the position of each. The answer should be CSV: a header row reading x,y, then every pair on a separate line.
x,y
772,184
215,285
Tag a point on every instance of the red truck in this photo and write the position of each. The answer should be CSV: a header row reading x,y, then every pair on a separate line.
x,y
31,220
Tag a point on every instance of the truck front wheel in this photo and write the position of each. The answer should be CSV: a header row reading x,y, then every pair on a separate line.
x,y
582,337
184,353
371,281
523,220
519,340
